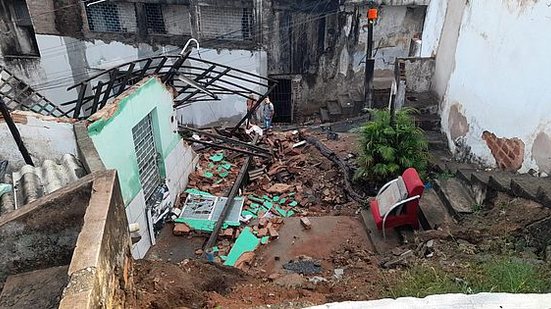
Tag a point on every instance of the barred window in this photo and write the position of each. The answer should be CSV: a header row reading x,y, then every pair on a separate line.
x,y
154,18
229,23
146,153
112,17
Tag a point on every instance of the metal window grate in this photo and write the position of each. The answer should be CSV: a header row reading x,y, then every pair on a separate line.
x,y
227,23
146,153
154,18
112,17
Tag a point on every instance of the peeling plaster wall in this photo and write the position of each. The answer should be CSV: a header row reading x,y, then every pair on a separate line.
x,y
497,105
44,137
328,52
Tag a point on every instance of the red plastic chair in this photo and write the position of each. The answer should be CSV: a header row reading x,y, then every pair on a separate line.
x,y
403,211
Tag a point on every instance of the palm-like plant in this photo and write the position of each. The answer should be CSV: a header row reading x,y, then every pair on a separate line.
x,y
387,150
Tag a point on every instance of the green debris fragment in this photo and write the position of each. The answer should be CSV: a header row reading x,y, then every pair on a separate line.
x,y
280,211
224,174
197,224
223,257
256,199
198,192
275,198
293,203
264,240
219,181
215,249
267,205
246,242
245,213
208,174
283,212
211,165
217,157
226,166
282,201
291,194
205,225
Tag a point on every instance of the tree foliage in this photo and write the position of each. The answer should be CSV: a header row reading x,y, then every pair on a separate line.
x,y
386,151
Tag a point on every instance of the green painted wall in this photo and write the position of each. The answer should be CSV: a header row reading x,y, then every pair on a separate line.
x,y
113,136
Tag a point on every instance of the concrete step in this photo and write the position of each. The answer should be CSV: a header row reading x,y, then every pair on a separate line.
x,y
35,289
437,141
455,196
427,122
501,181
434,211
479,187
425,103
380,244
525,186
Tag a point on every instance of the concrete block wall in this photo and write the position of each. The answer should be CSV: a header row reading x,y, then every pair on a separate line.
x,y
419,73
100,272
82,225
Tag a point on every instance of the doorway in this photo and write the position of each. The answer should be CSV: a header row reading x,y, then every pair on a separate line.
x,y
281,98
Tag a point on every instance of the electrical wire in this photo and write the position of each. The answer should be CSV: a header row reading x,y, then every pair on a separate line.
x,y
56,83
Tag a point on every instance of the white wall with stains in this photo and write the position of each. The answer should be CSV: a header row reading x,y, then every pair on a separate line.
x,y
499,79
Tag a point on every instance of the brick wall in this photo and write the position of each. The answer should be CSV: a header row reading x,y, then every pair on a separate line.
x,y
508,152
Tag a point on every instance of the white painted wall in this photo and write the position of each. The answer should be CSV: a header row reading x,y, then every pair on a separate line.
x,y
450,301
231,108
432,30
44,137
445,57
500,78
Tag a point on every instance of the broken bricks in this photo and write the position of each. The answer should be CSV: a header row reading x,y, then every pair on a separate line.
x,y
181,229
279,188
306,223
273,232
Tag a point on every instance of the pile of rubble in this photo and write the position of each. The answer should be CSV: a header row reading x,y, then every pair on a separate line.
x,y
294,180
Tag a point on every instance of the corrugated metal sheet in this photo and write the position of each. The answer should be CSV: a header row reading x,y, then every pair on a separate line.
x,y
30,183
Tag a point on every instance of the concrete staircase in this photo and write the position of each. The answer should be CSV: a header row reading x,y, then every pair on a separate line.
x,y
459,188
483,185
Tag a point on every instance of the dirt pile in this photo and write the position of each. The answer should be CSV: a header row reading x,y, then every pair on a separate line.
x,y
167,285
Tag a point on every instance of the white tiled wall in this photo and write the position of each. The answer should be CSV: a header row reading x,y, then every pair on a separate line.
x,y
135,212
179,164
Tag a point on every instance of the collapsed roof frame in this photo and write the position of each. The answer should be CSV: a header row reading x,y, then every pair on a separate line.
x,y
193,79
18,95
